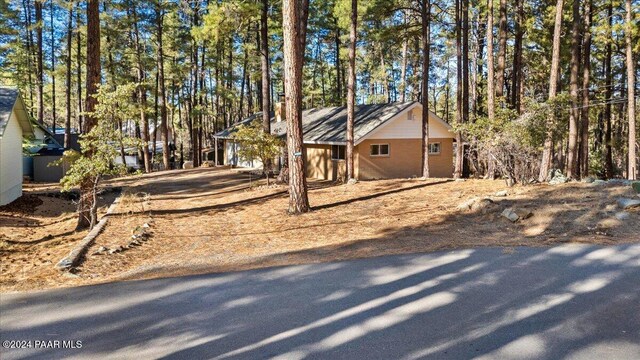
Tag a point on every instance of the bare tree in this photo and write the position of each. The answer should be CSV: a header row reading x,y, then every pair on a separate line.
x,y
631,105
294,24
545,164
351,88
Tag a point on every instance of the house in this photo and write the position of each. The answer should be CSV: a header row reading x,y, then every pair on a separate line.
x,y
44,149
387,139
14,126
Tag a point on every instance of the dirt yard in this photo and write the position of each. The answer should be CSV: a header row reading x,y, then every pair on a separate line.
x,y
208,220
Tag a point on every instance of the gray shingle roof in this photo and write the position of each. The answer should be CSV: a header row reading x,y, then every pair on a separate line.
x,y
8,97
329,125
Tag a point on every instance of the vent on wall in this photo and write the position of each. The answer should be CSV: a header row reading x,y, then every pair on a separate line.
x,y
410,115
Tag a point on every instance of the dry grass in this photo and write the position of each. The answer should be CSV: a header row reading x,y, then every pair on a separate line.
x,y
205,220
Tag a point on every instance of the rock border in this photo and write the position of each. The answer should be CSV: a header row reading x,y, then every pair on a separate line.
x,y
75,256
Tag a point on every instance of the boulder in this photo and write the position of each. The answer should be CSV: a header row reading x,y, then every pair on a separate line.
x,y
352,182
481,205
187,165
515,214
556,177
523,213
622,215
625,203
502,193
588,180
598,182
510,214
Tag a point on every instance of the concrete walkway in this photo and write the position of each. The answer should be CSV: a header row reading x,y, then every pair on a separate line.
x,y
572,301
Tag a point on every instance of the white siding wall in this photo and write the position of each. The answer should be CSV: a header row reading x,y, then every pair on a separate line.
x,y
232,157
403,128
11,162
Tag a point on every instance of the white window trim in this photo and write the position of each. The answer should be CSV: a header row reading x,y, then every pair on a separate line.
x,y
380,155
439,147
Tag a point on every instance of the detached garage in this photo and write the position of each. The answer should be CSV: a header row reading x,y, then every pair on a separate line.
x,y
14,125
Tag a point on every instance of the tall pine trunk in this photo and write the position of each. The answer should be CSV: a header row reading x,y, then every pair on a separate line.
x,y
545,164
142,92
586,73
574,114
162,94
516,79
266,79
67,90
39,65
459,146
425,14
608,91
87,205
294,24
351,89
502,49
631,105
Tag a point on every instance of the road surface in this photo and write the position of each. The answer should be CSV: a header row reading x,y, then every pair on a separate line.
x,y
572,301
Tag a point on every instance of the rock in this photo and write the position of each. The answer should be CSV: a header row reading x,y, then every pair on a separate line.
x,y
481,204
622,182
626,204
187,165
598,182
636,186
622,215
208,164
352,182
466,205
460,180
523,213
101,250
515,214
510,214
502,193
145,225
588,180
556,177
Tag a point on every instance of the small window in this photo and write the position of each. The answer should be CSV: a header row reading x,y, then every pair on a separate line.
x,y
410,115
379,150
338,152
434,148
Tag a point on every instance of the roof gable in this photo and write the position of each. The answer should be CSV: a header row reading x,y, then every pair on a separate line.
x,y
10,101
329,125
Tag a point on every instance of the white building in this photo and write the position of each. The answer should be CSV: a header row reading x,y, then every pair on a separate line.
x,y
14,125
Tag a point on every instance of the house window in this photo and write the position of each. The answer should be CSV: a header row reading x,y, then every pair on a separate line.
x,y
410,115
338,152
434,148
379,150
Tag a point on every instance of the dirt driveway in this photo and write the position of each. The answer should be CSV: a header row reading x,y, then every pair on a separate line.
x,y
207,220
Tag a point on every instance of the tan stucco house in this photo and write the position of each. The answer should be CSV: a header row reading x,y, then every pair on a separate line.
x,y
14,125
387,139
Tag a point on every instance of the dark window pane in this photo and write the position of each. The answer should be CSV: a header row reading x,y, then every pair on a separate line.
x,y
375,150
384,149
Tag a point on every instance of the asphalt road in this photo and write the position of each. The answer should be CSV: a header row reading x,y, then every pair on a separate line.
x,y
573,302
